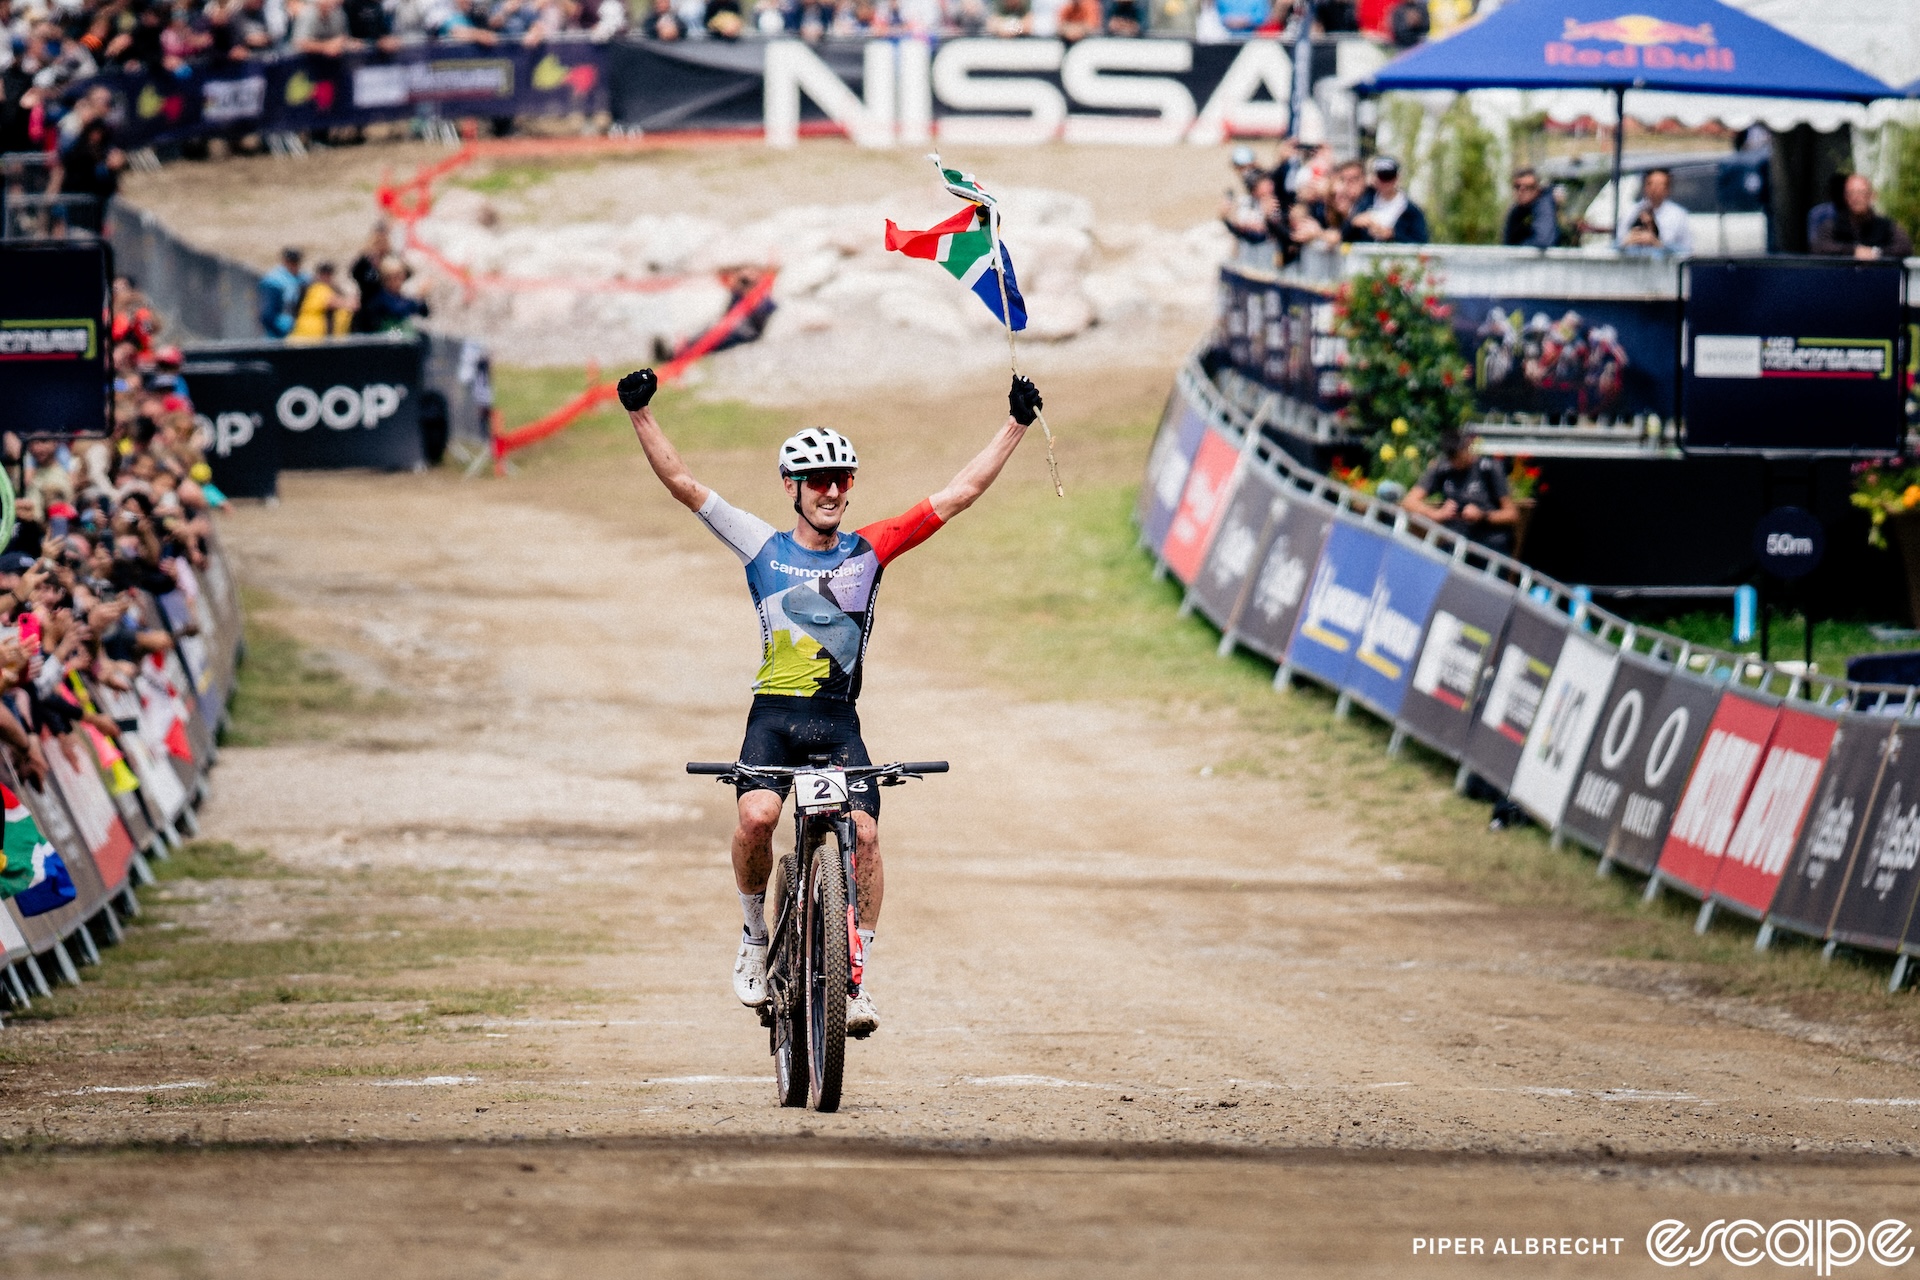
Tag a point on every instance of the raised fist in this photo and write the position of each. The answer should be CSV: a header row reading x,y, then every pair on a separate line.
x,y
636,389
1023,400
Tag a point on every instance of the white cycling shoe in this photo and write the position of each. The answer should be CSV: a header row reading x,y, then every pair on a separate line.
x,y
862,1018
750,973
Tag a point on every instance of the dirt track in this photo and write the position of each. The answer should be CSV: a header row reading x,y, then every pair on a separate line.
x,y
1138,1018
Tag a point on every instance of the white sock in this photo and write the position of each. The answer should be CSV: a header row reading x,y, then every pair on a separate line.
x,y
866,954
753,910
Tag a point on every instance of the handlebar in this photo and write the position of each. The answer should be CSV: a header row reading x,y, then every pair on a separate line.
x,y
898,769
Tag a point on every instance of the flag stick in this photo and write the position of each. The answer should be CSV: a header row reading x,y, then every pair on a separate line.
x,y
1013,357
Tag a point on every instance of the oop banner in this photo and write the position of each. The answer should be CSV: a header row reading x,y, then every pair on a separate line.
x,y
1657,769
1519,681
1208,488
1876,897
1173,448
1557,742
1776,805
1703,824
1403,598
1335,613
1294,544
1221,588
1865,750
1625,722
1469,617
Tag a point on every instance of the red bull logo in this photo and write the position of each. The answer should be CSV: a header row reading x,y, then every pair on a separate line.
x,y
1644,41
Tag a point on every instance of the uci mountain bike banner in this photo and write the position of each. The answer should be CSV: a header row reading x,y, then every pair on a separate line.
x,y
1403,596
1226,578
1862,768
1299,533
1339,597
1209,486
1562,728
1173,449
1657,768
1878,889
1513,691
1776,805
1469,617
1703,823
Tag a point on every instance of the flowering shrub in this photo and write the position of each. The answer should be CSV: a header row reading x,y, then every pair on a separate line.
x,y
1408,380
1523,481
1884,490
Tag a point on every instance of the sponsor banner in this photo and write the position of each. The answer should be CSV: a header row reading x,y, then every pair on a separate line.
x,y
1775,808
1285,337
1469,617
1862,763
1226,576
1208,488
1615,357
1514,689
1794,355
1563,727
1180,433
295,92
1339,598
1876,897
39,932
1299,532
1703,824
1621,734
76,777
345,402
1389,646
1657,770
233,403
54,376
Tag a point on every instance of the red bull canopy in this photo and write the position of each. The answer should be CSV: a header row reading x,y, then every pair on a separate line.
x,y
1683,46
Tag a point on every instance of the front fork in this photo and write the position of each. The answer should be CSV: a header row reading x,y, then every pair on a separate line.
x,y
856,952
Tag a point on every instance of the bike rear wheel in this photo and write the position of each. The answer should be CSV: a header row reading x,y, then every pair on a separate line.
x,y
787,1035
826,975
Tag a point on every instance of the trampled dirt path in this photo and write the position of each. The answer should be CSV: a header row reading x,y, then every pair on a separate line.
x,y
1140,1018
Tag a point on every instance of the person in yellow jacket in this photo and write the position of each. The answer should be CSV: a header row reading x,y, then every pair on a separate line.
x,y
323,312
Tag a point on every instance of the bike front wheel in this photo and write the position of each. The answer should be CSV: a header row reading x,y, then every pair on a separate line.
x,y
788,1031
826,975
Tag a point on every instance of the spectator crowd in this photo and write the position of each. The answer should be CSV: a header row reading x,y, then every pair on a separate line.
x,y
378,294
98,521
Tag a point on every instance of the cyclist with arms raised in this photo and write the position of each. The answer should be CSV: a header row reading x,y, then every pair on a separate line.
x,y
814,589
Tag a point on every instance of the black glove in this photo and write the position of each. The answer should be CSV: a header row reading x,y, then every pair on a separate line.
x,y
636,389
1023,400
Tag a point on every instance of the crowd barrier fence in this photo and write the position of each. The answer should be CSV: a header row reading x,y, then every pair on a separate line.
x,y
1787,797
110,804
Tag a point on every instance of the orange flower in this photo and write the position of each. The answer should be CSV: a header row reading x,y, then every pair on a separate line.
x,y
1911,497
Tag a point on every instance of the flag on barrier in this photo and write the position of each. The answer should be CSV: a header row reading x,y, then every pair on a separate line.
x,y
34,875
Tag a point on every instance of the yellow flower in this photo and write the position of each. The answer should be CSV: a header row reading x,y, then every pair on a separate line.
x,y
1911,497
1400,426
1386,453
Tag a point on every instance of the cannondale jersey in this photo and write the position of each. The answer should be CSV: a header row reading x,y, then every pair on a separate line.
x,y
816,607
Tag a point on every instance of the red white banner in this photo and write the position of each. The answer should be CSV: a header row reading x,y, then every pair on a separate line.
x,y
1710,807
1776,806
1209,485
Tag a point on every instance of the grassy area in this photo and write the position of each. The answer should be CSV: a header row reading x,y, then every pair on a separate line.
x,y
282,691
1833,642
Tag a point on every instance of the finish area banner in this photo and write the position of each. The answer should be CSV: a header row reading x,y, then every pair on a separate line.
x,y
1338,602
1776,806
1469,617
1181,429
1518,684
1239,544
1209,484
1293,551
1856,774
1702,826
1403,598
1557,743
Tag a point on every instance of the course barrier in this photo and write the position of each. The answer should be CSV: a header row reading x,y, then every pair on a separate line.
x,y
110,803
1789,798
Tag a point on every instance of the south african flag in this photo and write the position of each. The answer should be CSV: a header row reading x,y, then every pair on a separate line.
x,y
963,244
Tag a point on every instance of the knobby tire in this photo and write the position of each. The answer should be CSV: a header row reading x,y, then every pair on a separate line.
x,y
825,931
787,1037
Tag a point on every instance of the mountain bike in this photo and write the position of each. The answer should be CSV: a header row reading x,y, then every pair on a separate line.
x,y
816,908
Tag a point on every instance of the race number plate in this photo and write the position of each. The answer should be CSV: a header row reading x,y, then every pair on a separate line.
x,y
820,790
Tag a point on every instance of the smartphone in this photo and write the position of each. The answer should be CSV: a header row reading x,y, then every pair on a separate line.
x,y
30,633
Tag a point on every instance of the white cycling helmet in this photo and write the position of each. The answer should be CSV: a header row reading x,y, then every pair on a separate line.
x,y
817,449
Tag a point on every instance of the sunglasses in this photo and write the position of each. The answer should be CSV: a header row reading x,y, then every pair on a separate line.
x,y
821,481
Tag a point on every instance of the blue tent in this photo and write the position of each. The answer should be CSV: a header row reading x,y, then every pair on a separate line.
x,y
1684,46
